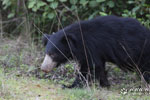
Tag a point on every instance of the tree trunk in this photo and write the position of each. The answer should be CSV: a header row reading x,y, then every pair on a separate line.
x,y
1,25
25,34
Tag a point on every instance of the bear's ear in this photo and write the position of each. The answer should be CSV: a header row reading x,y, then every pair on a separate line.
x,y
45,39
71,40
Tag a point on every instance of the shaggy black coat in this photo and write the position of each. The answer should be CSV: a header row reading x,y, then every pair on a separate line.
x,y
122,41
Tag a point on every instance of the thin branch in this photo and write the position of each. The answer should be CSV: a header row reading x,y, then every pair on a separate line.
x,y
1,25
9,21
138,70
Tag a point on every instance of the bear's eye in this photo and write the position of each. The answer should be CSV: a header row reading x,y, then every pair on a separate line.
x,y
52,55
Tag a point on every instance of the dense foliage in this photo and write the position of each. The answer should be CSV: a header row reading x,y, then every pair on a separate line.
x,y
49,14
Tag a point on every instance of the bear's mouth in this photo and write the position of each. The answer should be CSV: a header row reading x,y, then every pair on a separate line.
x,y
48,64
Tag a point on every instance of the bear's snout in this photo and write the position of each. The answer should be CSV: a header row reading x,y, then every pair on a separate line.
x,y
48,64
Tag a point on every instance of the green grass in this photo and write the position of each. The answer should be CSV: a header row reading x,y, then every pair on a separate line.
x,y
14,87
24,88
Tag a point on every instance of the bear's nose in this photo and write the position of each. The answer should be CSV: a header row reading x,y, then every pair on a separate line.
x,y
45,71
45,68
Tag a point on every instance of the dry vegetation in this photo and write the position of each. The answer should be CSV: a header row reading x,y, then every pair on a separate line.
x,y
21,78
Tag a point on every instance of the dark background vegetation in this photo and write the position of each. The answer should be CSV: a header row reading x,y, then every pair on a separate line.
x,y
26,21
18,17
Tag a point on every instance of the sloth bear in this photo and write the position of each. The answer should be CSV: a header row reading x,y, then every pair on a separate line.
x,y
122,41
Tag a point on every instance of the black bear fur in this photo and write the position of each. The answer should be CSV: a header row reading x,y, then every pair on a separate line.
x,y
122,41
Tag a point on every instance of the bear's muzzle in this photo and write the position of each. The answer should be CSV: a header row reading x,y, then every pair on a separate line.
x,y
48,64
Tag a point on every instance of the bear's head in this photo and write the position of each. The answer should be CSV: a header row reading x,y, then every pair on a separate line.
x,y
57,50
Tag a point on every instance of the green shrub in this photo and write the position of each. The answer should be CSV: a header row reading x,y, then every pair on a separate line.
x,y
45,13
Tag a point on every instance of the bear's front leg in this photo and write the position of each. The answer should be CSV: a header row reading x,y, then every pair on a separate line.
x,y
101,75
